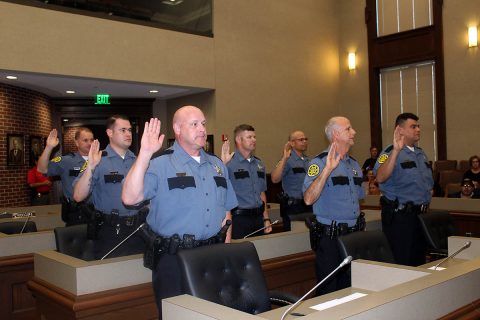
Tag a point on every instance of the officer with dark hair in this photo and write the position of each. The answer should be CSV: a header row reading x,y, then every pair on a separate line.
x,y
291,170
67,167
190,193
248,176
102,177
405,177
333,185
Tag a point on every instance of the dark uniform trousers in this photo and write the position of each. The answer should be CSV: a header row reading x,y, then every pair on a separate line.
x,y
111,235
246,221
166,279
403,231
297,207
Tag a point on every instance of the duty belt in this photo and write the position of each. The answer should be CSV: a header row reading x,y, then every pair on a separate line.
x,y
295,202
404,207
248,212
129,221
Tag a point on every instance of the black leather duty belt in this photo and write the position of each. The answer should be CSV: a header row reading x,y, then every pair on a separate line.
x,y
129,221
248,212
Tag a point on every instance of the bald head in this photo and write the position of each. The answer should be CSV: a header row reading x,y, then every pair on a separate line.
x,y
189,125
298,141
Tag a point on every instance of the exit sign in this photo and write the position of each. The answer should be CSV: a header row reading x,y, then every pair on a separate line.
x,y
102,98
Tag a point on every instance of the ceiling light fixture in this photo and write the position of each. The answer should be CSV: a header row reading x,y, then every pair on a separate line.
x,y
11,77
172,2
153,91
70,91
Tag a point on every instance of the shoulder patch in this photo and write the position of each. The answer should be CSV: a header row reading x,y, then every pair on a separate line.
x,y
322,155
313,170
56,159
162,153
382,158
84,166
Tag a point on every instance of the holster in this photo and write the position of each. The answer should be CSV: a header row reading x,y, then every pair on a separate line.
x,y
94,221
388,209
361,223
315,233
152,241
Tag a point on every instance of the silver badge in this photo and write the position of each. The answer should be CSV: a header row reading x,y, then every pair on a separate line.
x,y
219,170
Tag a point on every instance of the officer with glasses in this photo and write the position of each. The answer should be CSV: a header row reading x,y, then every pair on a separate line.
x,y
291,170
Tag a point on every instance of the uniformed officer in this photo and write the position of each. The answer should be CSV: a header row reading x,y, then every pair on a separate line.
x,y
333,186
189,190
247,173
102,177
406,182
67,167
291,170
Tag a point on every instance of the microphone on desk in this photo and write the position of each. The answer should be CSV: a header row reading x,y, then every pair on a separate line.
x,y
121,242
345,261
465,246
271,224
25,224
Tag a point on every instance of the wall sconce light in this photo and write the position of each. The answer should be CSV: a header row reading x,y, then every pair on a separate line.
x,y
352,65
472,37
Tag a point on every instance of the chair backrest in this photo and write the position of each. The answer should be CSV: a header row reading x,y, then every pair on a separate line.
x,y
14,227
463,165
73,241
452,188
227,274
449,176
368,245
441,165
437,226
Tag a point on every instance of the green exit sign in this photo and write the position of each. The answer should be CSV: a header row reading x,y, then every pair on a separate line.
x,y
102,98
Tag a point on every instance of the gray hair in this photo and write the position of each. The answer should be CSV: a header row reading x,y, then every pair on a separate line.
x,y
330,127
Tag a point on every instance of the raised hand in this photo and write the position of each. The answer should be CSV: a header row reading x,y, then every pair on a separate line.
x,y
52,139
287,150
94,155
398,139
152,140
226,155
333,158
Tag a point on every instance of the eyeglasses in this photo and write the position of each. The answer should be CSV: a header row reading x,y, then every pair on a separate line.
x,y
301,139
467,186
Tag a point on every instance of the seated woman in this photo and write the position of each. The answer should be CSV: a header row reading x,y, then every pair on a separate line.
x,y
467,192
373,189
474,172
369,177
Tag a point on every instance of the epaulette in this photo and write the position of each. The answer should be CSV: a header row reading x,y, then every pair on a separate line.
x,y
389,148
322,155
213,155
162,153
352,158
70,154
418,148
104,153
257,158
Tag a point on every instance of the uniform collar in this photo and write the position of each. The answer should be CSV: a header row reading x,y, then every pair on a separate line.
x,y
184,157
240,157
295,156
112,153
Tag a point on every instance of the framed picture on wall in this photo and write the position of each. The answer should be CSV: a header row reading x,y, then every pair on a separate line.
x,y
15,149
36,148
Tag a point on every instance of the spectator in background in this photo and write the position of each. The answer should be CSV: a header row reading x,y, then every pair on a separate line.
x,y
369,177
370,162
474,172
373,189
467,192
41,186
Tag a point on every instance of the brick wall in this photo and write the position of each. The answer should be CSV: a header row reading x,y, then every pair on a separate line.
x,y
68,140
27,113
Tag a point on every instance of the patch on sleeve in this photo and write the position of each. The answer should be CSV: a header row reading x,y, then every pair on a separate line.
x,y
313,170
56,159
382,158
84,166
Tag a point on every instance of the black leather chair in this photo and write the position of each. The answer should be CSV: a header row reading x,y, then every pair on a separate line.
x,y
73,241
14,227
368,245
230,275
437,226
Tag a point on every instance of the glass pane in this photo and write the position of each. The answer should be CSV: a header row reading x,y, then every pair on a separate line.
x,y
192,16
410,89
395,16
